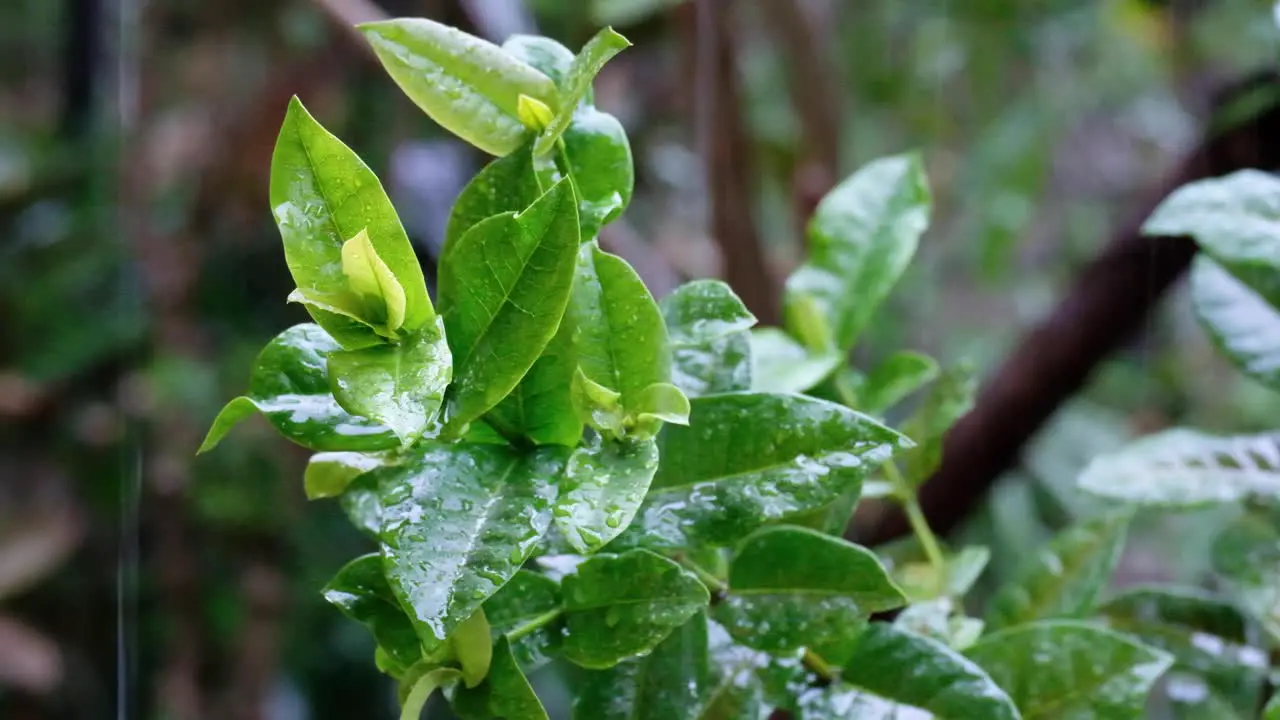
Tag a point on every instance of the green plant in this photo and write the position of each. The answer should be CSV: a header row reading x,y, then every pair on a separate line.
x,y
558,468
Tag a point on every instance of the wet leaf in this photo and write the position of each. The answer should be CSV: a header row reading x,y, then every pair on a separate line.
x,y
861,238
1064,668
945,403
921,580
290,387
1183,468
541,405
360,590
526,612
576,83
940,619
667,684
508,184
598,156
619,606
502,295
1235,219
505,693
1064,577
361,504
457,522
373,283
401,386
894,379
1246,554
1239,320
782,365
711,349
322,194
734,690
748,459
605,484
777,603
329,473
467,85
544,54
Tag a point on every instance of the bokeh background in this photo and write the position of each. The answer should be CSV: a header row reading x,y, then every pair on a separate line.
x,y
140,272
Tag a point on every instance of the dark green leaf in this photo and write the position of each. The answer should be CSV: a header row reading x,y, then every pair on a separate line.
x,y
747,459
667,684
361,592
892,380
1247,554
468,85
1240,321
525,611
1235,219
1064,578
598,156
507,184
792,587
711,349
619,606
457,521
861,238
542,53
949,398
505,693
577,83
1182,468
1070,669
782,365
541,406
362,505
605,484
322,195
329,473
401,386
290,387
502,295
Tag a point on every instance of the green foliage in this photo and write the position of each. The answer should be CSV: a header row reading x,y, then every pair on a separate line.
x,y
552,406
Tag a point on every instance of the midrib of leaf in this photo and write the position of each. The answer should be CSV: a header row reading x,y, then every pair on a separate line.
x,y
320,185
822,455
483,521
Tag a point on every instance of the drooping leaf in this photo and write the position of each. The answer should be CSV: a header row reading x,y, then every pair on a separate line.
x,y
1063,579
577,83
1240,321
507,184
472,647
1246,554
360,590
748,459
894,379
401,386
619,606
290,387
467,85
861,238
605,484
541,405
505,693
1065,668
667,684
322,195
1183,468
502,295
457,521
792,587
421,689
780,364
711,349
526,612
949,399
329,473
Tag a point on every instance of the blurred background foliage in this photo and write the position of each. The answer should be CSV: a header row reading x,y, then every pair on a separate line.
x,y
140,271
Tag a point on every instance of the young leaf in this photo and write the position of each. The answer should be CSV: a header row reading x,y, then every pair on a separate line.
x,y
468,85
457,521
412,704
1062,668
779,364
915,671
329,473
290,387
1064,578
502,294
401,386
472,647
534,113
525,611
894,379
777,603
322,195
669,683
861,238
373,282
921,580
661,403
1239,320
711,350
748,459
1232,218
597,405
505,693
1247,554
605,484
361,592
541,405
949,399
1183,468
577,82
619,606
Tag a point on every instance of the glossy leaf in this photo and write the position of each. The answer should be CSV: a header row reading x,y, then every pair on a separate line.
x,y
526,612
711,350
322,195
1063,579
894,379
604,486
598,156
467,85
505,692
544,54
748,459
946,402
1246,554
667,684
472,647
1181,468
502,295
1239,320
861,238
792,587
508,184
619,606
1235,219
423,686
1063,668
735,690
290,387
328,474
457,522
373,283
908,669
577,82
360,590
541,405
780,364
401,386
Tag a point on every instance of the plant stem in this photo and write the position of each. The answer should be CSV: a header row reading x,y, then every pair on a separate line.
x,y
819,666
521,630
919,525
713,583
